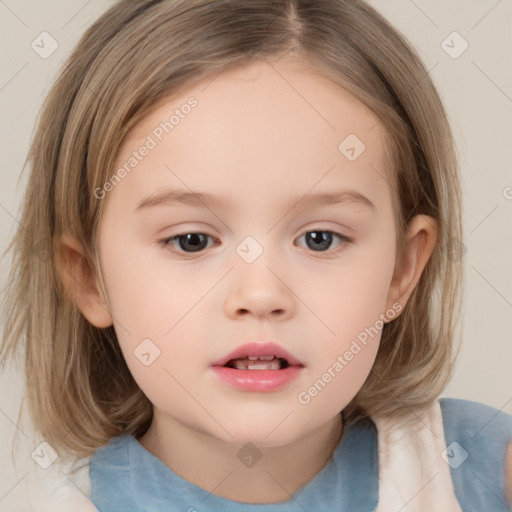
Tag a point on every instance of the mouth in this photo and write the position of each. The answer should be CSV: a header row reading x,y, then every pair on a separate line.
x,y
258,367
259,356
258,363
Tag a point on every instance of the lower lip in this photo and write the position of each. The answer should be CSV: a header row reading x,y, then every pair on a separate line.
x,y
257,380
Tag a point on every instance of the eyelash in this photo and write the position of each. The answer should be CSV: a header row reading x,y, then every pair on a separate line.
x,y
166,242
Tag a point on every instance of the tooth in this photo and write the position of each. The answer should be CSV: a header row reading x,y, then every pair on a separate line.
x,y
252,358
244,364
266,358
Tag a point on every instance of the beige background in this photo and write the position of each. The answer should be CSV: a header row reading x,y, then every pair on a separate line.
x,y
477,90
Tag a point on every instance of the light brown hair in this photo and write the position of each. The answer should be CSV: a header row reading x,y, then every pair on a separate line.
x,y
79,389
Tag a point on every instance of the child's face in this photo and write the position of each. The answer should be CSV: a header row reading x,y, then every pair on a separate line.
x,y
259,138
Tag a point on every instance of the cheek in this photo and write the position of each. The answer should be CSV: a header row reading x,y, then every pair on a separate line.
x,y
351,301
351,294
343,359
147,294
155,312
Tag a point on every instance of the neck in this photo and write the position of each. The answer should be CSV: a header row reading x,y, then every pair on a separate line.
x,y
240,472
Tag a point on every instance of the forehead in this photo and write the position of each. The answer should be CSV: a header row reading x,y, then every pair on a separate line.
x,y
270,129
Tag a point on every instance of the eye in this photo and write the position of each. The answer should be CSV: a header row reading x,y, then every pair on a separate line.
x,y
319,239
196,242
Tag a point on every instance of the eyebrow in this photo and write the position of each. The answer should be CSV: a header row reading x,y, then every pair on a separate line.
x,y
200,199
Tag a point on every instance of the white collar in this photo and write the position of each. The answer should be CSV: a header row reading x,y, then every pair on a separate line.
x,y
411,471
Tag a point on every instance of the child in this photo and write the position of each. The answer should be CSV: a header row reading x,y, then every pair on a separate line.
x,y
292,360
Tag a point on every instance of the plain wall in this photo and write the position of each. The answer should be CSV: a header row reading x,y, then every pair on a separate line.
x,y
477,90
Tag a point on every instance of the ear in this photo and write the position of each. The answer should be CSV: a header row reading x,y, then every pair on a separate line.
x,y
420,242
79,281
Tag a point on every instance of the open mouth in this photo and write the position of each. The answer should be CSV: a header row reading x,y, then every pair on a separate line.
x,y
268,368
258,363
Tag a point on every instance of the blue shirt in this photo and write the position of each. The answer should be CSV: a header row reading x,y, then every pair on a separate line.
x,y
125,477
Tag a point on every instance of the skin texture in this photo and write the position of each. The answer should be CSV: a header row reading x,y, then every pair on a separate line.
x,y
260,136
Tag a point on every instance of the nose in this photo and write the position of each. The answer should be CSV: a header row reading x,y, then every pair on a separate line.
x,y
258,289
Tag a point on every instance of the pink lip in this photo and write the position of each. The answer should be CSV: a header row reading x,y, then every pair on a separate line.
x,y
258,380
259,349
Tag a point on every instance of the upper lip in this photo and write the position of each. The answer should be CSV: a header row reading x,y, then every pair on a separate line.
x,y
259,349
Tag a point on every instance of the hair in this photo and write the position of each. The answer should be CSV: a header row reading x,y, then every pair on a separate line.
x,y
79,389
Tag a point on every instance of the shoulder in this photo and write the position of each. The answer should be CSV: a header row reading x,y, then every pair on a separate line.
x,y
110,473
115,452
476,427
475,418
60,487
477,436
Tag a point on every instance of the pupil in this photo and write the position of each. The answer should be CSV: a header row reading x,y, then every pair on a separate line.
x,y
196,241
322,239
